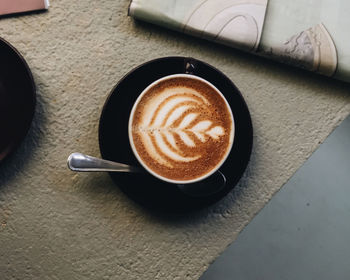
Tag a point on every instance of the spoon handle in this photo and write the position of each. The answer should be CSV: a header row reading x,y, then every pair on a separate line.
x,y
83,163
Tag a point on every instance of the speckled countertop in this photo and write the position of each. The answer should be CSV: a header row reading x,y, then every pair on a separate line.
x,y
55,224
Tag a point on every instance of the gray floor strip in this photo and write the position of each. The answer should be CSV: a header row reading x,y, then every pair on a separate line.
x,y
304,231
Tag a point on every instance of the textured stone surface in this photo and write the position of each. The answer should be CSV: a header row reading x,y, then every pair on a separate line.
x,y
55,224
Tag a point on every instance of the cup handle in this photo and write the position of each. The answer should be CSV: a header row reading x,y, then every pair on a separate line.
x,y
189,66
210,186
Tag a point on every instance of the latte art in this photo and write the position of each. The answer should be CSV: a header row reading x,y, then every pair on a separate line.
x,y
158,129
182,128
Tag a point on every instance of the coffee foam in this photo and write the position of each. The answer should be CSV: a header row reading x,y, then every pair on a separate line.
x,y
182,128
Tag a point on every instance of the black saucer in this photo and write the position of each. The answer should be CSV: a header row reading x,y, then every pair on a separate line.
x,y
114,143
17,98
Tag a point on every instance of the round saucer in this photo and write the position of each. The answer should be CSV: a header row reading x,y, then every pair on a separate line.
x,y
114,142
17,98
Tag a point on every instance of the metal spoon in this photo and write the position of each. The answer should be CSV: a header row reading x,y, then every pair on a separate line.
x,y
84,163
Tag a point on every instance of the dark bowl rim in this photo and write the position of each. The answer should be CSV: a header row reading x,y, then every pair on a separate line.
x,y
33,93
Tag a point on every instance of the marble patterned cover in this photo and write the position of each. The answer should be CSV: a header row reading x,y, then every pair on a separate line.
x,y
311,34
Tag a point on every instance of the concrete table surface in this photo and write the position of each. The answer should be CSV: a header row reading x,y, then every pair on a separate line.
x,y
55,224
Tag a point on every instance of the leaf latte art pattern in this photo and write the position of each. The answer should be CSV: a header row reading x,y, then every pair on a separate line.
x,y
175,125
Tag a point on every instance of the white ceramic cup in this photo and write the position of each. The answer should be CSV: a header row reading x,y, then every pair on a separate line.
x,y
179,182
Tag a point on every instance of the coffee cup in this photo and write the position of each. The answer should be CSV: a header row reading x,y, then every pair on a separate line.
x,y
181,129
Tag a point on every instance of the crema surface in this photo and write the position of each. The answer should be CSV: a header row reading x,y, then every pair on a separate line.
x,y
182,128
